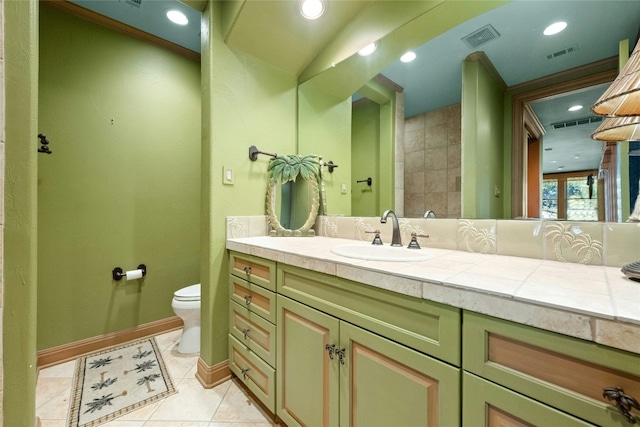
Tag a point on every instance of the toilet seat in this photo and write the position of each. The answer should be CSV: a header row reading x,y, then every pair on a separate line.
x,y
190,293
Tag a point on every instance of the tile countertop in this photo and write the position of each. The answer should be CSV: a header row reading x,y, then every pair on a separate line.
x,y
594,303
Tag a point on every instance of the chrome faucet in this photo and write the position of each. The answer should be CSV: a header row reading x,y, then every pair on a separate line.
x,y
396,240
429,214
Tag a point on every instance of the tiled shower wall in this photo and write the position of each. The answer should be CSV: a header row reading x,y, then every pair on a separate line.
x,y
432,152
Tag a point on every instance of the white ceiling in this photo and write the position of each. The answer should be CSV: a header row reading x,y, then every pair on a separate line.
x,y
433,80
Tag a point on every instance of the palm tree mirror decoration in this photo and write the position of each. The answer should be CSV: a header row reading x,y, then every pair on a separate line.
x,y
283,169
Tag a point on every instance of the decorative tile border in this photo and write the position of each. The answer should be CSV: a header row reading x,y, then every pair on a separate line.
x,y
593,243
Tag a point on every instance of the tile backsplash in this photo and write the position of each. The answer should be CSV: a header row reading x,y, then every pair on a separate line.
x,y
594,243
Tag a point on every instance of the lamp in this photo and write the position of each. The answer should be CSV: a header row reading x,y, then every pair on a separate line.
x,y
618,129
622,98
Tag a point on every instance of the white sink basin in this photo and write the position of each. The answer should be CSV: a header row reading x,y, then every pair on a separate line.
x,y
369,252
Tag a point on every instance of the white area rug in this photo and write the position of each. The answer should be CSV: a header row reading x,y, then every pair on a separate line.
x,y
114,382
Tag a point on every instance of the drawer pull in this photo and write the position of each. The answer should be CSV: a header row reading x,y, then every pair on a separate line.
x,y
245,332
341,355
244,373
624,402
247,299
331,348
247,270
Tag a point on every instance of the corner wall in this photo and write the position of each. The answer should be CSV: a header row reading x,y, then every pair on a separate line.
x,y
20,220
244,102
482,139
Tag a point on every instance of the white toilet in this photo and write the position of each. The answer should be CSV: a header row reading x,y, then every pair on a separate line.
x,y
186,305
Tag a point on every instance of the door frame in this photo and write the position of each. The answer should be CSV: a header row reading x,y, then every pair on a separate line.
x,y
596,73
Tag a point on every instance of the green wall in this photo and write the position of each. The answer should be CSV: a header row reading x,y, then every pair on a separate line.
x,y
365,160
324,128
244,102
482,141
122,186
20,212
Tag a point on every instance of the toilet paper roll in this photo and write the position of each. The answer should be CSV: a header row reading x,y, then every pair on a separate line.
x,y
134,274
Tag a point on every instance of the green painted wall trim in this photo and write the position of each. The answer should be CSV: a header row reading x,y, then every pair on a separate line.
x,y
20,220
122,185
482,141
244,102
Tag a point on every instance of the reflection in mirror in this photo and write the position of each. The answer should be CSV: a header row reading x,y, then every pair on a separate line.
x,y
520,53
570,159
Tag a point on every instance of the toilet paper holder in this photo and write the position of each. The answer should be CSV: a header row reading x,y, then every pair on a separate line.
x,y
118,273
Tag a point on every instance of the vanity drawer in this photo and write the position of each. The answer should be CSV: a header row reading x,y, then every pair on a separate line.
x,y
563,372
426,326
254,332
253,372
253,297
486,404
253,269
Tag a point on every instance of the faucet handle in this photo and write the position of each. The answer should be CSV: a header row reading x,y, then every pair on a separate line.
x,y
413,244
376,239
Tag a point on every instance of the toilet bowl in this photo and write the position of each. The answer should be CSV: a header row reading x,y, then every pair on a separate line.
x,y
186,305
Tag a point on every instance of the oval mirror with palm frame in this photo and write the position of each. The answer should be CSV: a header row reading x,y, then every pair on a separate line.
x,y
298,198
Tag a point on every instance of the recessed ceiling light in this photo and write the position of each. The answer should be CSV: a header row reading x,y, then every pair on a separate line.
x,y
555,28
575,108
311,9
367,50
408,57
177,17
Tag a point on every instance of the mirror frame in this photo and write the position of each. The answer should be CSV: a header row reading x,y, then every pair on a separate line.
x,y
306,230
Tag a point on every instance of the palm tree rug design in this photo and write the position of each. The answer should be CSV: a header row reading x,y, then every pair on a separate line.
x,y
114,382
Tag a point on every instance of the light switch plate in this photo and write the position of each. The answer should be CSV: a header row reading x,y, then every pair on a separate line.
x,y
227,175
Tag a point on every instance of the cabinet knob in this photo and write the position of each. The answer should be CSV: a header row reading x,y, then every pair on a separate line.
x,y
245,332
341,355
247,270
247,299
624,402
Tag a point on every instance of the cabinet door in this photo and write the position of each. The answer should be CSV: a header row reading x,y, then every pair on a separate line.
x,y
307,376
488,405
383,383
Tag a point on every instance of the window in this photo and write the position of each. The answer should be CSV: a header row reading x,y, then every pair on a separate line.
x,y
572,196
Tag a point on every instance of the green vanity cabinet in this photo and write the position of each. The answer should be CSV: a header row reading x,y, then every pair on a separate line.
x,y
562,372
486,404
252,330
331,372
423,325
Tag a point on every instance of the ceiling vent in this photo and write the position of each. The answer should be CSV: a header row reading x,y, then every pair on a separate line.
x,y
135,3
562,52
578,122
481,36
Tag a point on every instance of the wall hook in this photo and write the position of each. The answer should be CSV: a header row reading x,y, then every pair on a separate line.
x,y
44,142
253,153
369,181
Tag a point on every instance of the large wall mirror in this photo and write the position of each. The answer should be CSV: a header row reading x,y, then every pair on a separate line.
x,y
511,37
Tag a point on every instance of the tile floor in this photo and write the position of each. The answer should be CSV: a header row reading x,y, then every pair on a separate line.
x,y
226,405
